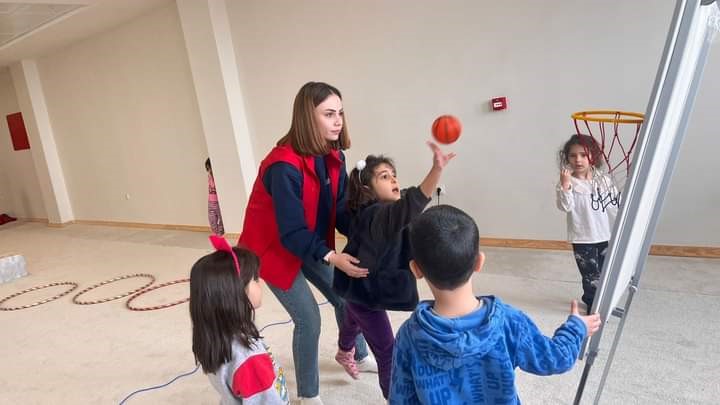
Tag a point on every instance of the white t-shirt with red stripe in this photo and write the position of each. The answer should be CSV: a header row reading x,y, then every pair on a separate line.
x,y
252,376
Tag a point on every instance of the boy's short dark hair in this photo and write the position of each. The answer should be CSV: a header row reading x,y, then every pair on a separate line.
x,y
445,244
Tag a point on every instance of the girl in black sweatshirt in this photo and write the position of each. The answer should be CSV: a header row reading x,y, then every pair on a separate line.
x,y
378,239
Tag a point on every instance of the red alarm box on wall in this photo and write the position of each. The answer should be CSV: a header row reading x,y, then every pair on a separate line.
x,y
498,103
18,134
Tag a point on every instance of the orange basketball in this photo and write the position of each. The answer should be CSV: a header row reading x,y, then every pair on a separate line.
x,y
446,129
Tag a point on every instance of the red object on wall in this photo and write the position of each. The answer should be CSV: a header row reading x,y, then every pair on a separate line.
x,y
498,103
18,134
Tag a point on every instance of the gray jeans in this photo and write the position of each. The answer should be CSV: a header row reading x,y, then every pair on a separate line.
x,y
300,303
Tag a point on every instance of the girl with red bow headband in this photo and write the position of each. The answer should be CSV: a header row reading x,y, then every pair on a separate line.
x,y
224,293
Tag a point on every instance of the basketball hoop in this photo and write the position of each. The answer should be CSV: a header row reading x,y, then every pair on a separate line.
x,y
616,134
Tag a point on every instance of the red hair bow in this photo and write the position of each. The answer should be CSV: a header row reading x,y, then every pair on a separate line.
x,y
220,243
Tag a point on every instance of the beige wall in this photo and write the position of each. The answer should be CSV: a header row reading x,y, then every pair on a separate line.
x,y
123,107
125,118
400,64
19,188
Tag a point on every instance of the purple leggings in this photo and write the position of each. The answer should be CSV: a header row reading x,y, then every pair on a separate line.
x,y
375,326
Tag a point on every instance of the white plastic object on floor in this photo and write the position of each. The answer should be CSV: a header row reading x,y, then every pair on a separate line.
x,y
12,267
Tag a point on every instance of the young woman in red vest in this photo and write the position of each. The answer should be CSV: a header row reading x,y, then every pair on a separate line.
x,y
297,202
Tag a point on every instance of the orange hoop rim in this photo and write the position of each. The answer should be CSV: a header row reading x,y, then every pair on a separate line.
x,y
614,116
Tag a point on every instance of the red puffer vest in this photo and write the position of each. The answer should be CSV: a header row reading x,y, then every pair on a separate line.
x,y
260,230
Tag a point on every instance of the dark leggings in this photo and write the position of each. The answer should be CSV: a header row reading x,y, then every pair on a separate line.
x,y
589,258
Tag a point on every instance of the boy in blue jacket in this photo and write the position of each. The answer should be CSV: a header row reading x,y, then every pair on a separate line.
x,y
463,349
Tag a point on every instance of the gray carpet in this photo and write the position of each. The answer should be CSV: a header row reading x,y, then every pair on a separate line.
x,y
98,354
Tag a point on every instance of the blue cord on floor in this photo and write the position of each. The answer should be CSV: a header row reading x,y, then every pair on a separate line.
x,y
160,386
198,366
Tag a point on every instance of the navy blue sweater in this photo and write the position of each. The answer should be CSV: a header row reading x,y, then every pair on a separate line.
x,y
284,183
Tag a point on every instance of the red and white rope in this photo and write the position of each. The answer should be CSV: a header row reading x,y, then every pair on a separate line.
x,y
98,301
40,287
170,304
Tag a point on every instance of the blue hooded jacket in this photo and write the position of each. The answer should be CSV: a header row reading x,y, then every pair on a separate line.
x,y
472,359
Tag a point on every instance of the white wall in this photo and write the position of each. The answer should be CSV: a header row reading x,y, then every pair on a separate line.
x,y
20,194
400,64
126,121
125,118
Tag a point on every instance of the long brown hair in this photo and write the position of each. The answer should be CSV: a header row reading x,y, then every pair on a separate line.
x,y
219,308
304,136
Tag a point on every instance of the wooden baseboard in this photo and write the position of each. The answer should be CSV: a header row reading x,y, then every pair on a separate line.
x,y
40,220
708,252
526,243
656,250
143,225
47,222
59,224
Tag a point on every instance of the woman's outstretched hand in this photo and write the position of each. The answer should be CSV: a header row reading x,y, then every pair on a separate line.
x,y
347,264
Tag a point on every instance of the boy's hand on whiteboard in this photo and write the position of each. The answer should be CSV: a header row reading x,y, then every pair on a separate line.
x,y
592,322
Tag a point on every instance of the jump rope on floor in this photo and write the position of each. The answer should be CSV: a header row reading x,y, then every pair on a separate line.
x,y
198,366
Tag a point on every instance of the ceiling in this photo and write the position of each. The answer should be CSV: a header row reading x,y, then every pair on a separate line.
x,y
31,28
18,19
